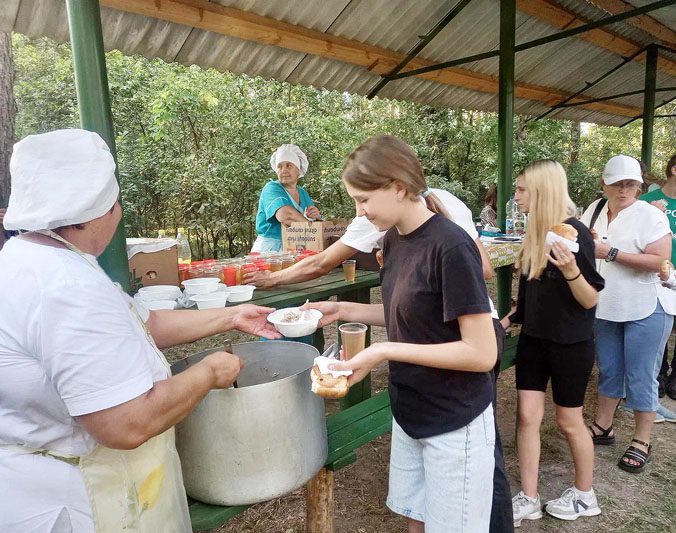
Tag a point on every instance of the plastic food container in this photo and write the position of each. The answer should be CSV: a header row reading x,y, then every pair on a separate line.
x,y
306,325
210,301
159,292
155,305
239,293
201,285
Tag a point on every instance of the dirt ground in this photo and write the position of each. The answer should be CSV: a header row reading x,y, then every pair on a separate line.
x,y
630,503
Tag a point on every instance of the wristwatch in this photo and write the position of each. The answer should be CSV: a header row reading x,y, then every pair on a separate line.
x,y
612,255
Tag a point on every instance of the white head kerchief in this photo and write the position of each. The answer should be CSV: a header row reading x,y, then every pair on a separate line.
x,y
60,178
292,154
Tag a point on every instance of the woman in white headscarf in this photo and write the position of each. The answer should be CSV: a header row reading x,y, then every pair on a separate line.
x,y
282,201
87,401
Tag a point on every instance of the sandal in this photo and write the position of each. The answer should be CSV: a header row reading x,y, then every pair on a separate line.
x,y
602,439
635,454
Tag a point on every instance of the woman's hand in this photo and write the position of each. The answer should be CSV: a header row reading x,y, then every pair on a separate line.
x,y
312,212
225,368
330,310
262,279
254,319
563,259
362,363
601,249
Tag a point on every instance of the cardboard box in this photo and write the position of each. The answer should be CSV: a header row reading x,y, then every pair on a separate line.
x,y
155,268
315,236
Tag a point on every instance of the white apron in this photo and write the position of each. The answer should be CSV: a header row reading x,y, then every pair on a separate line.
x,y
138,490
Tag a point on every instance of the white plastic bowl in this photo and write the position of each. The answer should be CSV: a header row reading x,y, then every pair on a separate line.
x,y
154,305
201,285
210,301
295,329
159,292
239,293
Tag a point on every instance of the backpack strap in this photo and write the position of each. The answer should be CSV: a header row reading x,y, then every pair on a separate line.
x,y
597,212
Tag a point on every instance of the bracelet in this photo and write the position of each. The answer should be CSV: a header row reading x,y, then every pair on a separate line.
x,y
612,255
573,279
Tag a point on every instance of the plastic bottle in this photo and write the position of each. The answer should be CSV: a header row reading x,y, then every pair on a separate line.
x,y
509,216
519,221
162,234
184,254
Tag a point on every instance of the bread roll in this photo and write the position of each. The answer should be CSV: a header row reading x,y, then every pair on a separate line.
x,y
666,268
326,386
566,231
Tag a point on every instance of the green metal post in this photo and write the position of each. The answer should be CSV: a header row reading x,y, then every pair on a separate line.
x,y
649,105
91,81
505,136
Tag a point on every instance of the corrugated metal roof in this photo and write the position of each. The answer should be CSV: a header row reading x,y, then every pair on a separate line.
x,y
395,25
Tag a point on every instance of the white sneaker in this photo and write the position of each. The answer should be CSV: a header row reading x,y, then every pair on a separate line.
x,y
571,506
525,508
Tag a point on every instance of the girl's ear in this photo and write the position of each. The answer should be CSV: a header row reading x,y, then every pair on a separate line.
x,y
399,189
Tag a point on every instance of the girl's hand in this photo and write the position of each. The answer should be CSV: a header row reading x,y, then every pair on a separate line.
x,y
563,259
262,280
362,363
330,310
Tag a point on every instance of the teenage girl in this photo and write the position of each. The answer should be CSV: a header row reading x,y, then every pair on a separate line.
x,y
558,292
441,344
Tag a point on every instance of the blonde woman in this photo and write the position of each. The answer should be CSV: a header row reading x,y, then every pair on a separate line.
x,y
558,292
441,345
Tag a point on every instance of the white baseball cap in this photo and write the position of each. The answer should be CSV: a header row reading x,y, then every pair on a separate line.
x,y
622,167
60,178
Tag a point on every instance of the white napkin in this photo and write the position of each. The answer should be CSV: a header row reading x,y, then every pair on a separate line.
x,y
552,237
323,365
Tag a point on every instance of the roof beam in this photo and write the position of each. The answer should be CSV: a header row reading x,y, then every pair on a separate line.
x,y
264,30
553,14
643,22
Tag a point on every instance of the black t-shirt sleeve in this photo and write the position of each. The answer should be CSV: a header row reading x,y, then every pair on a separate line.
x,y
585,257
463,288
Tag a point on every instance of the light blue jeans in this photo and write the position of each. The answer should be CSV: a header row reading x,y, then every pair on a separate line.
x,y
629,355
445,481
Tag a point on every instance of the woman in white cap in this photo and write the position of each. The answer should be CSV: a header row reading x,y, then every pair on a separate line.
x,y
632,239
87,401
282,201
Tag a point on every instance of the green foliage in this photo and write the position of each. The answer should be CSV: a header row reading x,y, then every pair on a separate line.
x,y
194,145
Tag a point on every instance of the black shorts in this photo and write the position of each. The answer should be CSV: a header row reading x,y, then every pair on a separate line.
x,y
569,366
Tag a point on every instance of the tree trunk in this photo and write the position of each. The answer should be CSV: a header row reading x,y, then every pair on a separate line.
x,y
574,153
7,112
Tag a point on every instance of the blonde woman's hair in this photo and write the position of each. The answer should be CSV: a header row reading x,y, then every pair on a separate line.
x,y
384,159
550,204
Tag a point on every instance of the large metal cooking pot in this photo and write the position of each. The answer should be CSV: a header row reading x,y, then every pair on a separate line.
x,y
261,440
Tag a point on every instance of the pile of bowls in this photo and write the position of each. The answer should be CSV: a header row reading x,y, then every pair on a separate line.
x,y
209,293
159,296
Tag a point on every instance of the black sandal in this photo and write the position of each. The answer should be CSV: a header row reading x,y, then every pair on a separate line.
x,y
635,454
602,439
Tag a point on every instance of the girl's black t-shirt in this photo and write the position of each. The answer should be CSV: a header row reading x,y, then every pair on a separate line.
x,y
546,307
430,277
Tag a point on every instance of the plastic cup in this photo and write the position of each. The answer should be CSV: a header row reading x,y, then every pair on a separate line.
x,y
353,336
275,265
230,276
349,269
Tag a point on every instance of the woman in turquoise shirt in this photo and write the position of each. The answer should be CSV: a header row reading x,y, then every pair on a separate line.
x,y
282,201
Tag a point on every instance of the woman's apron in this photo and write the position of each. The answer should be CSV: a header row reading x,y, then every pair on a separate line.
x,y
130,490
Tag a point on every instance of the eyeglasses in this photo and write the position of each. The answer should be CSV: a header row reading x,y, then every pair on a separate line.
x,y
625,185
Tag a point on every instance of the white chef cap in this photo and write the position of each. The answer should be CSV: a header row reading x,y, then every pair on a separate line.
x,y
292,154
60,178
